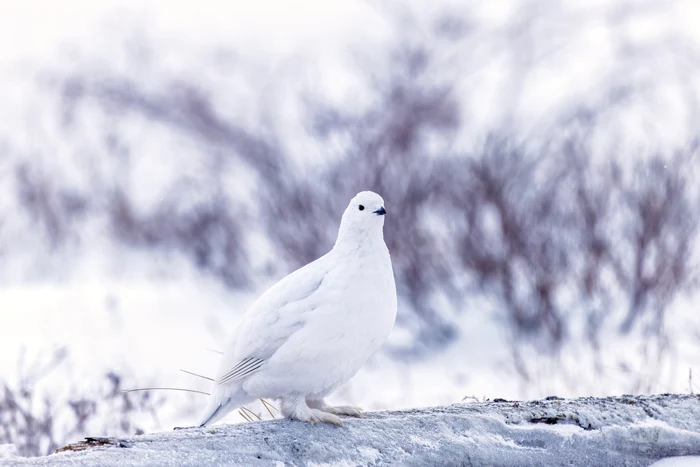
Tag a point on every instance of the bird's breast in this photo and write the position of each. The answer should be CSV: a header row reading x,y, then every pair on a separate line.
x,y
363,301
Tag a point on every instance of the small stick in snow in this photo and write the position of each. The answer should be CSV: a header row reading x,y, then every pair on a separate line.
x,y
690,380
251,412
267,406
195,374
246,417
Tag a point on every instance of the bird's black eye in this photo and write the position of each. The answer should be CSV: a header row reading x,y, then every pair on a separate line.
x,y
362,208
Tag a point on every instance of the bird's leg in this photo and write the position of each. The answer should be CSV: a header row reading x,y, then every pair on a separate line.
x,y
295,407
337,410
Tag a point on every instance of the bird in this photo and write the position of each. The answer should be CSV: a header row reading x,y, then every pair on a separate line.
x,y
312,331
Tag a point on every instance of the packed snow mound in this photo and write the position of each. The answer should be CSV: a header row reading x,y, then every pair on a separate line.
x,y
627,430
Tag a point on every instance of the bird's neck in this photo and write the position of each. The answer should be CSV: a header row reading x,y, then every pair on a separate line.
x,y
349,243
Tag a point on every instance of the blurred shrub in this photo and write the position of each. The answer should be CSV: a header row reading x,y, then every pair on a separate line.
x,y
37,423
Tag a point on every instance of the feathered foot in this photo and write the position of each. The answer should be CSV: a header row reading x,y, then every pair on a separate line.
x,y
297,409
348,410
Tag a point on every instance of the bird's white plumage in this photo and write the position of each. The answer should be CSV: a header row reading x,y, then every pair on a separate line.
x,y
313,330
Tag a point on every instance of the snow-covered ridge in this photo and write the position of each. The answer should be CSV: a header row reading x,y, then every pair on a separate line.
x,y
626,430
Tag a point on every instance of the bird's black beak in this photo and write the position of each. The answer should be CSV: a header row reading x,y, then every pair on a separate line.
x,y
380,212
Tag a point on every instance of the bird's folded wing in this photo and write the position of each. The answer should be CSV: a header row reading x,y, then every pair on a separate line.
x,y
245,367
275,316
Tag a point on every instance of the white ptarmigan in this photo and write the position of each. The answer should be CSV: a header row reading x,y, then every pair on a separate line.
x,y
313,330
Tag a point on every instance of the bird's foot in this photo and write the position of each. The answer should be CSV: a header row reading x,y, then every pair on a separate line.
x,y
337,409
348,410
314,416
321,416
299,410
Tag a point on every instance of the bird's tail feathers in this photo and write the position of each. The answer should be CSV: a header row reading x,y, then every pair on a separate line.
x,y
222,404
213,414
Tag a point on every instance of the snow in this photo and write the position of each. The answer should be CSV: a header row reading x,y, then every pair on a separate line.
x,y
679,461
8,451
633,431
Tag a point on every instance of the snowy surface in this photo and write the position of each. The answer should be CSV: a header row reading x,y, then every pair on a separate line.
x,y
633,431
679,461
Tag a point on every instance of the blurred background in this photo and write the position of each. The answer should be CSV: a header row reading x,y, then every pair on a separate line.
x,y
162,164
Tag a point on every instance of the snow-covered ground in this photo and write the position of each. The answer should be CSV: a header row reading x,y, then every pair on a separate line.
x,y
632,431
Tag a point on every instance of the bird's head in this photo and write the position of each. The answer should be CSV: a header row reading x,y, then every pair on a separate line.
x,y
364,216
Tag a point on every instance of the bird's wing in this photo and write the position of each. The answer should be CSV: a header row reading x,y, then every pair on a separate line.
x,y
245,367
275,316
